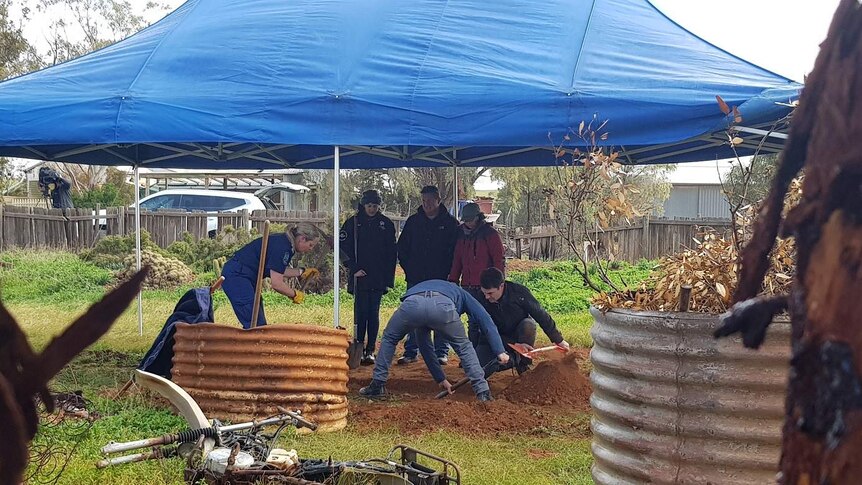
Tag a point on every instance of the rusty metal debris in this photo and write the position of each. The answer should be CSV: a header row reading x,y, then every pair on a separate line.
x,y
24,374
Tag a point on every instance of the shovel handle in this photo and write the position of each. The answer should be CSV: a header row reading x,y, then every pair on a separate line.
x,y
259,286
464,380
215,286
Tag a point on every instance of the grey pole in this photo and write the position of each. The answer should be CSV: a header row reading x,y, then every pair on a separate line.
x,y
336,246
138,247
455,190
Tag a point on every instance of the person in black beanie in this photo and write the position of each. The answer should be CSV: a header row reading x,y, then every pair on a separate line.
x,y
368,241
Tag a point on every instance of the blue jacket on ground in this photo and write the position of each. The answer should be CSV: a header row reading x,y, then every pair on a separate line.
x,y
464,303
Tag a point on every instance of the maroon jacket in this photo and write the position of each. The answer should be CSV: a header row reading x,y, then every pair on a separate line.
x,y
474,253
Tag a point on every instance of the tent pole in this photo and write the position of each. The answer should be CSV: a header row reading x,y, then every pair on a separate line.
x,y
138,247
336,246
455,190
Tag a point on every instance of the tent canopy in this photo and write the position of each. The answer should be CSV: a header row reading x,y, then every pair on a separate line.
x,y
268,84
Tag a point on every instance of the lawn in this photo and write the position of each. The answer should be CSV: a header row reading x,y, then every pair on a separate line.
x,y
45,291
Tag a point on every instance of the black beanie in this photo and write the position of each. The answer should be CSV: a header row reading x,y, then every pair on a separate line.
x,y
370,197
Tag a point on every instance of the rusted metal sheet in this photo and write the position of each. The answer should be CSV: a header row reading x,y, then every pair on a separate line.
x,y
240,375
671,404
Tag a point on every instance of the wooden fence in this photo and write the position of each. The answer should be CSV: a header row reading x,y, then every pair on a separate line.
x,y
76,229
654,238
645,239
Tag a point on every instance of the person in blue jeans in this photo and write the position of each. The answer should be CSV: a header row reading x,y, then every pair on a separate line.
x,y
240,272
437,305
425,251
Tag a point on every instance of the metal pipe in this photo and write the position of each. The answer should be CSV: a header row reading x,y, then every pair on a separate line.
x,y
336,247
455,191
138,247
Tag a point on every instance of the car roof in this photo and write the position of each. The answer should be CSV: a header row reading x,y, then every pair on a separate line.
x,y
218,193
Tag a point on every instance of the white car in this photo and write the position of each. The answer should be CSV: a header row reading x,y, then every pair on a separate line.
x,y
202,200
215,201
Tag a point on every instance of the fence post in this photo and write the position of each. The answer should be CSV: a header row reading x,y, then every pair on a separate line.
x,y
2,224
645,246
244,220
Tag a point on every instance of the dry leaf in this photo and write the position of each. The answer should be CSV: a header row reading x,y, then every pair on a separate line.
x,y
722,105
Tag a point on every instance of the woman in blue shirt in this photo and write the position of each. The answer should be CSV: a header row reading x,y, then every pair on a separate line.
x,y
240,272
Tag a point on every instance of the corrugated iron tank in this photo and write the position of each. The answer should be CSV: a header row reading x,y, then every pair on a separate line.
x,y
239,375
671,404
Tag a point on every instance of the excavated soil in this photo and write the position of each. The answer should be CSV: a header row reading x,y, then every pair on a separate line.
x,y
551,382
552,397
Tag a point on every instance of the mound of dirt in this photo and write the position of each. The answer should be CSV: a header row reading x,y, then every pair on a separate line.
x,y
552,382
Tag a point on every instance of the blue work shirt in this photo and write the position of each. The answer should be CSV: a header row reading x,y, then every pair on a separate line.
x,y
279,252
464,303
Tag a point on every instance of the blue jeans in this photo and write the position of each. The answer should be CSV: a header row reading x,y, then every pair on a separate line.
x,y
422,313
411,350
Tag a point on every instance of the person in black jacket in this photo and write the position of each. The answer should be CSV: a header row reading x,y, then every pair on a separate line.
x,y
425,250
368,240
515,312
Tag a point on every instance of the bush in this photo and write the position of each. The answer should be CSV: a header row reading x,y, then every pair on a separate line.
x,y
111,251
165,272
200,254
106,195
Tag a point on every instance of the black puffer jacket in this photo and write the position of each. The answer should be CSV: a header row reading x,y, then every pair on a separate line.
x,y
517,304
374,251
426,246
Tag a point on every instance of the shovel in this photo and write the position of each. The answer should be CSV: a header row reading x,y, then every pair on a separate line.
x,y
464,380
259,286
356,347
524,350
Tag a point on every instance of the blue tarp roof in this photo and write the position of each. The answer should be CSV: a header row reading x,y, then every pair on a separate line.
x,y
275,83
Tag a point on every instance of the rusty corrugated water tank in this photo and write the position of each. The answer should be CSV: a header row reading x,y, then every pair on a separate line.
x,y
671,404
239,375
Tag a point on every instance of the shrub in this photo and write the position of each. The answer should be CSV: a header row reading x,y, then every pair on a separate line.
x,y
111,251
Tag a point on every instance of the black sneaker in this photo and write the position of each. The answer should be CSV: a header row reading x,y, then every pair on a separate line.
x,y
482,396
375,390
404,360
367,359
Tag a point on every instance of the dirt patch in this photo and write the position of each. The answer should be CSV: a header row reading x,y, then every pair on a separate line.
x,y
540,454
412,409
522,265
470,418
552,382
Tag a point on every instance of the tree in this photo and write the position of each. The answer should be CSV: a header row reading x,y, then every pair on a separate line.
x,y
17,56
399,187
749,184
524,190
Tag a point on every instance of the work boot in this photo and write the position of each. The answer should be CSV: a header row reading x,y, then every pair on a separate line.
x,y
367,359
404,360
484,396
375,390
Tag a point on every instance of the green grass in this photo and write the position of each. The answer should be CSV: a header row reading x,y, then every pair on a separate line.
x,y
45,291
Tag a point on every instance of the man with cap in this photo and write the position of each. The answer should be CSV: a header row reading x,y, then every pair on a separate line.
x,y
478,247
437,305
515,312
425,251
368,241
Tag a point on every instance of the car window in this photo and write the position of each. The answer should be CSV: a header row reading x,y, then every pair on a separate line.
x,y
167,201
209,203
